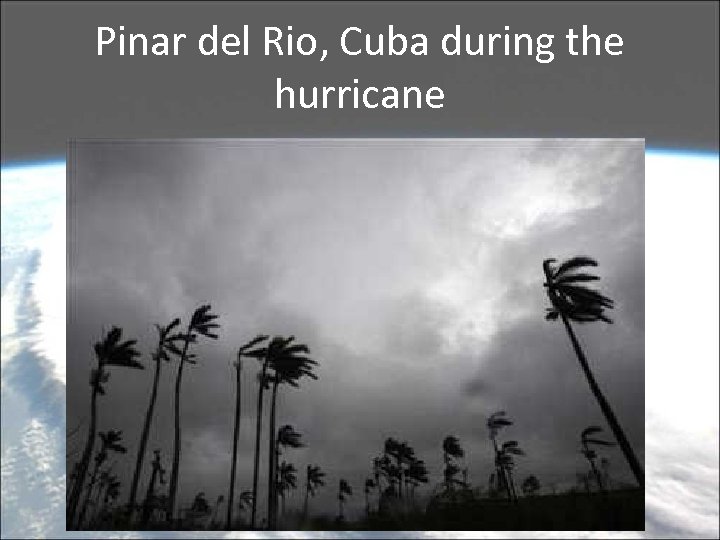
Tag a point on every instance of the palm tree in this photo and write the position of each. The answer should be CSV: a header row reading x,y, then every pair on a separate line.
x,y
587,439
403,455
377,473
263,384
314,478
110,351
369,486
286,437
244,501
245,350
150,503
201,323
289,365
415,474
495,423
286,480
573,301
344,490
166,343
109,442
451,451
507,463
530,486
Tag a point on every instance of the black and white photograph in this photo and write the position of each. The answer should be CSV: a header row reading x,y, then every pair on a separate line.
x,y
356,334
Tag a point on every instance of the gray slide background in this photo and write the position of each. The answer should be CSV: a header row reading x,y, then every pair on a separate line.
x,y
55,87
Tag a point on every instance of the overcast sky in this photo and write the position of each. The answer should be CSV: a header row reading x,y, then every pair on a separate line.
x,y
412,269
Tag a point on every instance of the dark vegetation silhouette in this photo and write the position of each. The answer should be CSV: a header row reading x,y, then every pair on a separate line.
x,y
110,351
588,441
398,490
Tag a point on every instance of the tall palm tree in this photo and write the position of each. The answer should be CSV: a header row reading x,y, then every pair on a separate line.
x,y
110,351
314,478
587,440
166,344
245,350
289,365
495,423
573,301
344,490
263,384
110,441
201,323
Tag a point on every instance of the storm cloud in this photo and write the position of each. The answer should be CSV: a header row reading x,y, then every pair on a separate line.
x,y
411,268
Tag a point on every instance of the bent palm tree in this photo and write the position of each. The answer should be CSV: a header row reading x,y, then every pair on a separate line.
x,y
108,352
289,365
415,474
264,381
369,486
451,451
573,301
507,463
587,439
166,343
344,490
287,437
245,350
314,478
201,323
495,423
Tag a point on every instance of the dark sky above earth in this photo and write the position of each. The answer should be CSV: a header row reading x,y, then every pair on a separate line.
x,y
412,269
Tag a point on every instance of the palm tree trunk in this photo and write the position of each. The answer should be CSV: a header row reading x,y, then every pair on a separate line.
x,y
96,504
236,433
596,473
85,460
258,429
172,490
143,440
272,458
501,476
305,504
91,486
147,509
379,490
605,407
512,486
